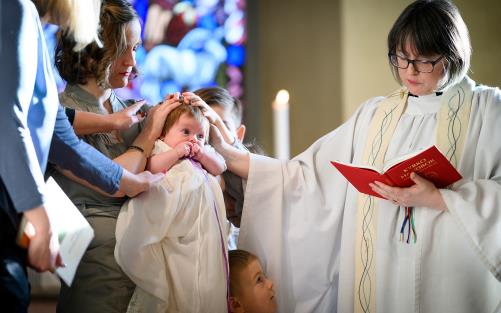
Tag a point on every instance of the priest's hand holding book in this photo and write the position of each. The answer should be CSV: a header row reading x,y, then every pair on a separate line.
x,y
422,194
412,180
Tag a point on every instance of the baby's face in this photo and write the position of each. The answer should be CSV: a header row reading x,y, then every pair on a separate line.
x,y
185,129
256,290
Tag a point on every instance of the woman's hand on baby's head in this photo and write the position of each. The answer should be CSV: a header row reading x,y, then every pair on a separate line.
x,y
156,116
172,96
183,149
172,100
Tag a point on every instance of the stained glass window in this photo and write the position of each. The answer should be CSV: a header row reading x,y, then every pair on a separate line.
x,y
186,45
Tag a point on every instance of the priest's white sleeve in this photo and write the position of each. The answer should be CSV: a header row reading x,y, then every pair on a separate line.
x,y
292,208
476,203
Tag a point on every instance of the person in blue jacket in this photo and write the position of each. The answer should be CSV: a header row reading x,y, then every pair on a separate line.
x,y
34,130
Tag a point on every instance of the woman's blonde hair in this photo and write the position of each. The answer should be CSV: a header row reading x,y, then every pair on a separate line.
x,y
79,18
95,61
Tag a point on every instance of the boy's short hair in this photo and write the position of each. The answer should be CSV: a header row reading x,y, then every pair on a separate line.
x,y
238,261
221,97
192,111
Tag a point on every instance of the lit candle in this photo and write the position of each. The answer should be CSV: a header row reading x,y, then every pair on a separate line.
x,y
281,125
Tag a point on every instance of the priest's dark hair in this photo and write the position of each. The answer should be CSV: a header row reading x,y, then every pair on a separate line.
x,y
433,27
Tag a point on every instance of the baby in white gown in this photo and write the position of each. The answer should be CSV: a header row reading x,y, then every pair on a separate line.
x,y
171,240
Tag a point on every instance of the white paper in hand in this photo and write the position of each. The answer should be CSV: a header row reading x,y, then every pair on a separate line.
x,y
73,230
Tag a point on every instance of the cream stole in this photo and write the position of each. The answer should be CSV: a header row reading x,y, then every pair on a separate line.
x,y
453,119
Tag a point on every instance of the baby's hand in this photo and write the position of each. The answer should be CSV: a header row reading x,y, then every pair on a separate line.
x,y
183,149
196,151
195,100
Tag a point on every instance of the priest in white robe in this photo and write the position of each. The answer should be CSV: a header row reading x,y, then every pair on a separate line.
x,y
329,248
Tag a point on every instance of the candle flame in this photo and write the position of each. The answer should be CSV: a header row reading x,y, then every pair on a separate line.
x,y
281,100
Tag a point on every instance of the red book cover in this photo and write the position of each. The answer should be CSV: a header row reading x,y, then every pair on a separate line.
x,y
429,163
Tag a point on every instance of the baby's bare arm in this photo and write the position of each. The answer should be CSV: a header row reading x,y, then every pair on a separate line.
x,y
162,162
212,161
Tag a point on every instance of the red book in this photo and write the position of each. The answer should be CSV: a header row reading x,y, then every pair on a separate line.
x,y
429,163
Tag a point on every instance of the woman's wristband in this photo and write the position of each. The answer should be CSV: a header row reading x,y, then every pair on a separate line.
x,y
137,148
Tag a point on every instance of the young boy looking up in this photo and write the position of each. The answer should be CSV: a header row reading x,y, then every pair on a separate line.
x,y
250,290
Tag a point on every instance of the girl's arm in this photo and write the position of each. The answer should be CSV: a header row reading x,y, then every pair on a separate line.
x,y
162,162
212,161
237,160
211,115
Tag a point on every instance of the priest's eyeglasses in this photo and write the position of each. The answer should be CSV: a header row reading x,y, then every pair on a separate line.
x,y
419,65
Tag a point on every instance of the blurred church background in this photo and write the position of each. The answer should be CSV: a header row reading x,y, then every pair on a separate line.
x,y
329,54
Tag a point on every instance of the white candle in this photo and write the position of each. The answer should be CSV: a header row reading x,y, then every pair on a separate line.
x,y
281,125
